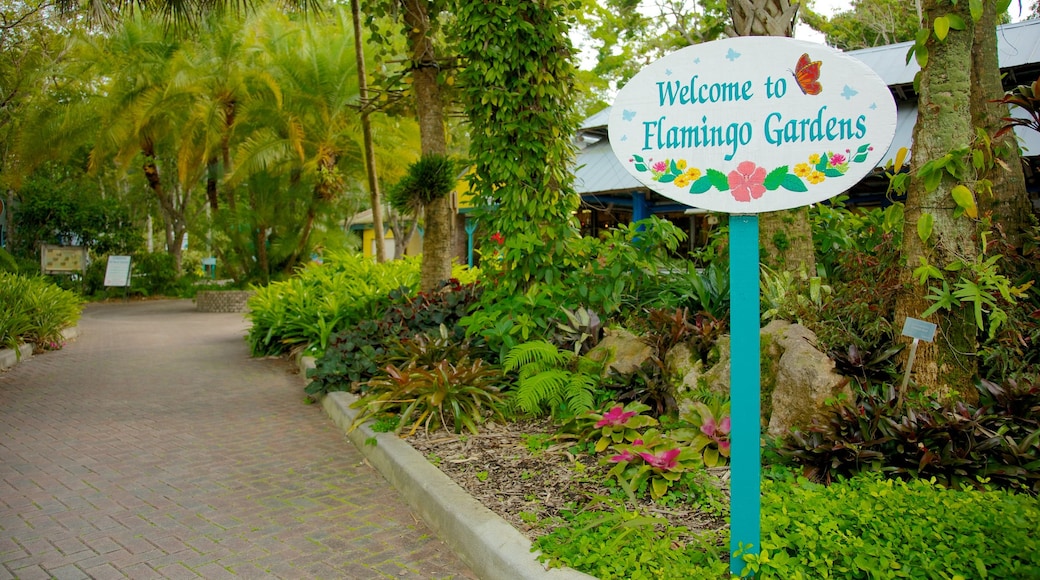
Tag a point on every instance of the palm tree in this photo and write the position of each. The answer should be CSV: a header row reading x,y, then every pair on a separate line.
x,y
304,122
139,122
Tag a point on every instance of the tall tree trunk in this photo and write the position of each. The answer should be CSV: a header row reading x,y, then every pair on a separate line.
x,y
762,17
1009,203
212,177
366,134
173,216
263,262
304,239
438,222
230,111
786,236
943,125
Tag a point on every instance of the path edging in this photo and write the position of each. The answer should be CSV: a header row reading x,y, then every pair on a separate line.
x,y
9,357
489,545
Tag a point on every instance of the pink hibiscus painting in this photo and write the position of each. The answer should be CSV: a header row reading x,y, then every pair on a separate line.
x,y
746,181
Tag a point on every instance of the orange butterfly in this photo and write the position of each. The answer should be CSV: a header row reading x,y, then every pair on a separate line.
x,y
807,74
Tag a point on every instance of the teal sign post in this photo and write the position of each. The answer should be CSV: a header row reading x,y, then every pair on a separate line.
x,y
743,126
745,503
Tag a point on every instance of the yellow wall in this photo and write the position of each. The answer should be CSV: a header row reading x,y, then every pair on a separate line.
x,y
368,244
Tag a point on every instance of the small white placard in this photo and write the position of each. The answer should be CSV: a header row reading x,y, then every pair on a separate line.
x,y
919,329
118,271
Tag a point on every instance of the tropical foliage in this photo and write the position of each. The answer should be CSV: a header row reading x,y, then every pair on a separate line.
x,y
35,311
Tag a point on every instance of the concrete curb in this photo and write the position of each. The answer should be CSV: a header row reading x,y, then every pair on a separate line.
x,y
492,548
10,357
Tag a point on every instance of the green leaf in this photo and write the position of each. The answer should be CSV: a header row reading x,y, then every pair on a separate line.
x,y
956,22
920,48
792,182
965,200
775,178
701,185
975,7
924,226
932,178
660,486
718,179
941,27
666,178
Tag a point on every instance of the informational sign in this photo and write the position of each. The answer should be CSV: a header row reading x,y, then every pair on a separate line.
x,y
743,126
117,273
919,329
752,124
62,259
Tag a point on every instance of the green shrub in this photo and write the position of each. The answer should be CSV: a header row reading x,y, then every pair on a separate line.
x,y
551,380
35,311
353,356
869,527
863,528
322,299
7,262
423,329
955,443
631,545
153,274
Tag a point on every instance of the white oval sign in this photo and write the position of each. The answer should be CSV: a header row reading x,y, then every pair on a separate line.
x,y
752,124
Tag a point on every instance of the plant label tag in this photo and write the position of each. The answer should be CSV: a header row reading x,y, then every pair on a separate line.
x,y
919,329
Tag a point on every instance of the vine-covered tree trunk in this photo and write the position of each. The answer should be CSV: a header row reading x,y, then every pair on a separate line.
x,y
943,126
1009,202
786,236
438,222
519,98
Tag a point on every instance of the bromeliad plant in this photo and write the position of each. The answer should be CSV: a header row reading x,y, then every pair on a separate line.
x,y
710,435
619,424
457,395
655,461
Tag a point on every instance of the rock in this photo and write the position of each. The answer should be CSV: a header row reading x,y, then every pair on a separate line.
x,y
805,378
621,350
717,377
680,361
796,380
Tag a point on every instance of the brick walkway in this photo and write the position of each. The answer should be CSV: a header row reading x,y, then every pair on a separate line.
x,y
154,447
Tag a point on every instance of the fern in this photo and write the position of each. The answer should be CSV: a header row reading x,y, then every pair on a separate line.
x,y
547,378
541,388
535,356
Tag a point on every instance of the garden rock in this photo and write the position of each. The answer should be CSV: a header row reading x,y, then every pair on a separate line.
x,y
805,378
621,350
797,379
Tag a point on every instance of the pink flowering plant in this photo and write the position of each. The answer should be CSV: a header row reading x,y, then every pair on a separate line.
x,y
748,180
617,424
709,434
654,460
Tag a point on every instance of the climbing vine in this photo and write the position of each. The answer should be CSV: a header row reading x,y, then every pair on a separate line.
x,y
517,89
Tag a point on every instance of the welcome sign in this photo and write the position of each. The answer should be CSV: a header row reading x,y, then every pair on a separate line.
x,y
752,124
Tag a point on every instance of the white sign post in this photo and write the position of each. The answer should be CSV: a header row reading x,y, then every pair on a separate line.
x,y
117,271
744,126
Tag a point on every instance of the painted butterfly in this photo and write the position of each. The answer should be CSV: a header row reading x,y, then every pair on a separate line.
x,y
807,74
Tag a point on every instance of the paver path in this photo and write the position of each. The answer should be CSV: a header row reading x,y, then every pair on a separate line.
x,y
154,447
